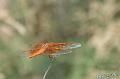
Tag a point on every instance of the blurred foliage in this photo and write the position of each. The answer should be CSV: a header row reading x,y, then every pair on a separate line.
x,y
93,23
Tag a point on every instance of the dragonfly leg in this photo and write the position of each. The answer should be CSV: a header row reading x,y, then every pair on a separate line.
x,y
51,57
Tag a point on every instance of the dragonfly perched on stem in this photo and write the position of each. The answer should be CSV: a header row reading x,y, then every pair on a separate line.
x,y
52,49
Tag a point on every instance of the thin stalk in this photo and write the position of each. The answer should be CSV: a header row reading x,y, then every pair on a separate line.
x,y
50,65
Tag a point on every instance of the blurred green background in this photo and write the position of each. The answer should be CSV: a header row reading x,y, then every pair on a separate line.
x,y
93,23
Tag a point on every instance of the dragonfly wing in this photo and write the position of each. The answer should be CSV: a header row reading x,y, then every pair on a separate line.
x,y
67,49
72,46
63,52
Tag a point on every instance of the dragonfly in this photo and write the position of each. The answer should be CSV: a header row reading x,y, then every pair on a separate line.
x,y
52,49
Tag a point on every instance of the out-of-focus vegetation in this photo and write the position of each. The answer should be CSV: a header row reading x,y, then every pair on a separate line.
x,y
93,23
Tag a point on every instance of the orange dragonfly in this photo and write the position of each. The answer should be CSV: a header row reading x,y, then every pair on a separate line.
x,y
52,49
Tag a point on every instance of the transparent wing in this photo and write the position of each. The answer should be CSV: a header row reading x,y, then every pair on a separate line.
x,y
72,46
62,52
67,49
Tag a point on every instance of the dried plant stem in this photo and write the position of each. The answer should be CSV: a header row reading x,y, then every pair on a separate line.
x,y
50,65
47,71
